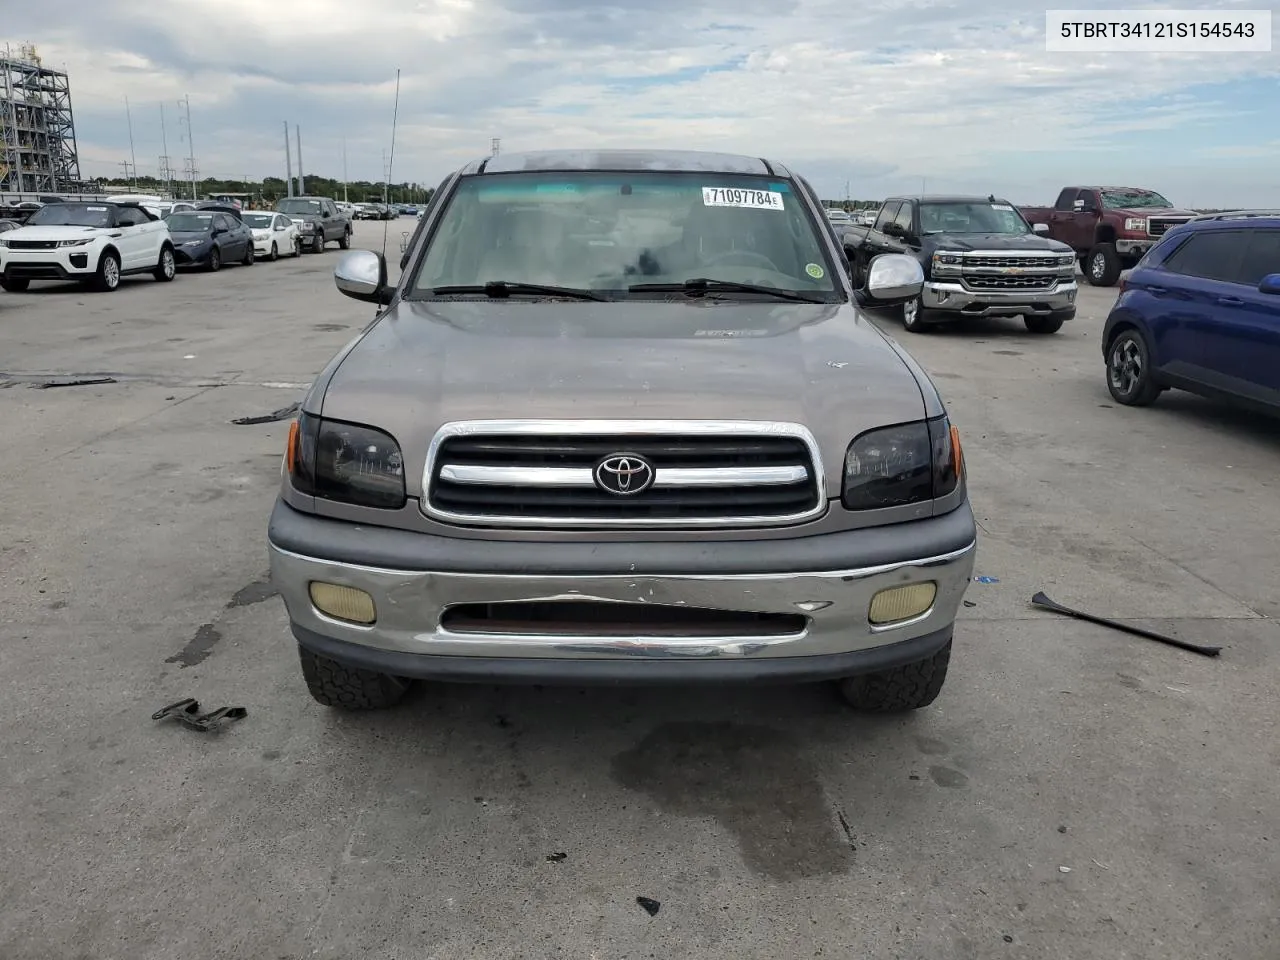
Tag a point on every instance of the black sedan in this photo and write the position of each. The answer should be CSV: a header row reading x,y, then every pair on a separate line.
x,y
210,238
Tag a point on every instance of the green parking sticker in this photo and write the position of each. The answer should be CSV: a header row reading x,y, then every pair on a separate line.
x,y
815,271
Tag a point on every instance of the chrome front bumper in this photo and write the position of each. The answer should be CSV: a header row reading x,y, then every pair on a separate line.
x,y
410,606
954,297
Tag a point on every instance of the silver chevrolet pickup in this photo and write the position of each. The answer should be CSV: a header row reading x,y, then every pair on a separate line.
x,y
622,420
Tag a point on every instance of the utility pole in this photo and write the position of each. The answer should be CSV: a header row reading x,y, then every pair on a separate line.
x,y
302,177
344,169
166,165
191,146
288,162
133,156
385,175
126,166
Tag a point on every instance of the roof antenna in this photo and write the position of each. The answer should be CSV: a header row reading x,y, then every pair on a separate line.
x,y
395,113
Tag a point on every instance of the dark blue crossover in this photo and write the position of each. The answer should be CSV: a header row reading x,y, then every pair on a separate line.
x,y
1201,312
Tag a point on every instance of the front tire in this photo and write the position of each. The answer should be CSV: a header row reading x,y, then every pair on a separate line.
x,y
167,268
215,260
1102,268
1050,322
275,252
345,242
908,687
317,242
107,279
913,314
335,684
249,256
1130,378
17,285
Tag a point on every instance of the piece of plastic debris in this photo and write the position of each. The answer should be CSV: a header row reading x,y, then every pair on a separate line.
x,y
189,356
1007,938
282,414
986,580
1064,869
188,712
970,603
556,857
651,906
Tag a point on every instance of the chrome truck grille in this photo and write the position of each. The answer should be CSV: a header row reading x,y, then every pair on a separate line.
x,y
605,474
997,271
991,260
1159,226
1040,282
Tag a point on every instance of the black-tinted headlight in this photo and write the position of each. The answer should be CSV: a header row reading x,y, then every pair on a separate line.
x,y
345,462
899,465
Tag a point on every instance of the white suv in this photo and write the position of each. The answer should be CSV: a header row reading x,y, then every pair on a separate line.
x,y
87,241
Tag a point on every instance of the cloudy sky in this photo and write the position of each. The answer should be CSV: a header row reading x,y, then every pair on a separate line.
x,y
952,94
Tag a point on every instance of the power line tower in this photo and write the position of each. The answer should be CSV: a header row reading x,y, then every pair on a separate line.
x,y
130,172
189,171
494,144
167,173
189,164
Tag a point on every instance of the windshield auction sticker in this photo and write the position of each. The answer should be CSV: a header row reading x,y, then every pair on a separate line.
x,y
737,197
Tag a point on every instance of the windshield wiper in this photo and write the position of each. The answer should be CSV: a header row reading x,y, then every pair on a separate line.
x,y
505,288
698,286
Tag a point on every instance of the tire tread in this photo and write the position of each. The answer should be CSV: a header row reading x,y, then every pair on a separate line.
x,y
908,687
335,684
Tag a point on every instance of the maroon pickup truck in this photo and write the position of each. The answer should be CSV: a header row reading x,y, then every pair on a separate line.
x,y
1110,228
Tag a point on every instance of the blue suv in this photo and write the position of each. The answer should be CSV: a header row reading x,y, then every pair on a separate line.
x,y
1201,312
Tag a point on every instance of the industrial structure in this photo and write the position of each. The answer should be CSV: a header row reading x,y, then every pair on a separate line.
x,y
37,132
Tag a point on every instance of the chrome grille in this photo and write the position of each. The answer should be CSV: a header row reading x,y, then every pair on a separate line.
x,y
990,260
1159,226
544,474
996,282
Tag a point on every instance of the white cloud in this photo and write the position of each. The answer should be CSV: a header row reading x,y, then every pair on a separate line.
x,y
953,91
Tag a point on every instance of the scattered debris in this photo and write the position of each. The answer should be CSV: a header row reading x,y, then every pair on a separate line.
x,y
914,776
986,580
970,603
188,712
1102,865
838,364
556,857
1062,828
77,382
848,831
189,356
1064,869
651,906
1040,600
1007,938
284,413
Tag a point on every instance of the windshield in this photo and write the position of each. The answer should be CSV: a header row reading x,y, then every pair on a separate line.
x,y
259,220
979,216
610,231
1126,199
190,222
296,205
71,215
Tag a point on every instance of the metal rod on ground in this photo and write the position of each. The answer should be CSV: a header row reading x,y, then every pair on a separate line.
x,y
1042,601
302,179
288,161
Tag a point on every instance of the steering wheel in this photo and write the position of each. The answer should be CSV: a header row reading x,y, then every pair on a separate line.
x,y
749,255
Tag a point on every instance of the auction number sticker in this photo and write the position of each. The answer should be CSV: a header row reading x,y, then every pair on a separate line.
x,y
738,197
1002,206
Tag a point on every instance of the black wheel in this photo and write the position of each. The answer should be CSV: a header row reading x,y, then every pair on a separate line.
x,y
167,268
908,687
335,684
248,255
913,316
297,246
275,252
1102,268
1130,378
15,286
1049,322
345,242
107,278
317,242
215,259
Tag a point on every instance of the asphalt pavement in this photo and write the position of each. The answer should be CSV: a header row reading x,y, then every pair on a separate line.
x,y
1075,792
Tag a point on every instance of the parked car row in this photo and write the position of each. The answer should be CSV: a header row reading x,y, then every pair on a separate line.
x,y
98,243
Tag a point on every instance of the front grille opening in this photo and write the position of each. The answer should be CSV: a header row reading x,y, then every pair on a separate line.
x,y
596,618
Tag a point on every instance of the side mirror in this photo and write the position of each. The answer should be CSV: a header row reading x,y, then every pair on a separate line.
x,y
1270,284
219,231
891,229
362,275
894,278
1078,206
1040,228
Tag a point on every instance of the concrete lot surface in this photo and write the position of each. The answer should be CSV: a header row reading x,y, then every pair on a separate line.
x,y
1074,793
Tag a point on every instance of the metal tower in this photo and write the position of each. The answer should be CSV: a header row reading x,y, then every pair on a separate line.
x,y
37,129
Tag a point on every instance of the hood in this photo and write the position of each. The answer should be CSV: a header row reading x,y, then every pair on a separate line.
x,y
424,364
56,233
1145,212
185,236
299,217
997,241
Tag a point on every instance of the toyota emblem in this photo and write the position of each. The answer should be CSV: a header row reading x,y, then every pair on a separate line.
x,y
624,474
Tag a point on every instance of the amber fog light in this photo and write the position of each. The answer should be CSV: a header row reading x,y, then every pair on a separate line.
x,y
343,603
902,603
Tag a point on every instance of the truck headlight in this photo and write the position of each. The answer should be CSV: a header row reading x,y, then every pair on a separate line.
x,y
948,263
903,464
307,226
1136,223
345,462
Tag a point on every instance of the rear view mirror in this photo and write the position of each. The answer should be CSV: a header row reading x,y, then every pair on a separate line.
x,y
1040,228
894,278
892,230
1270,284
362,275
